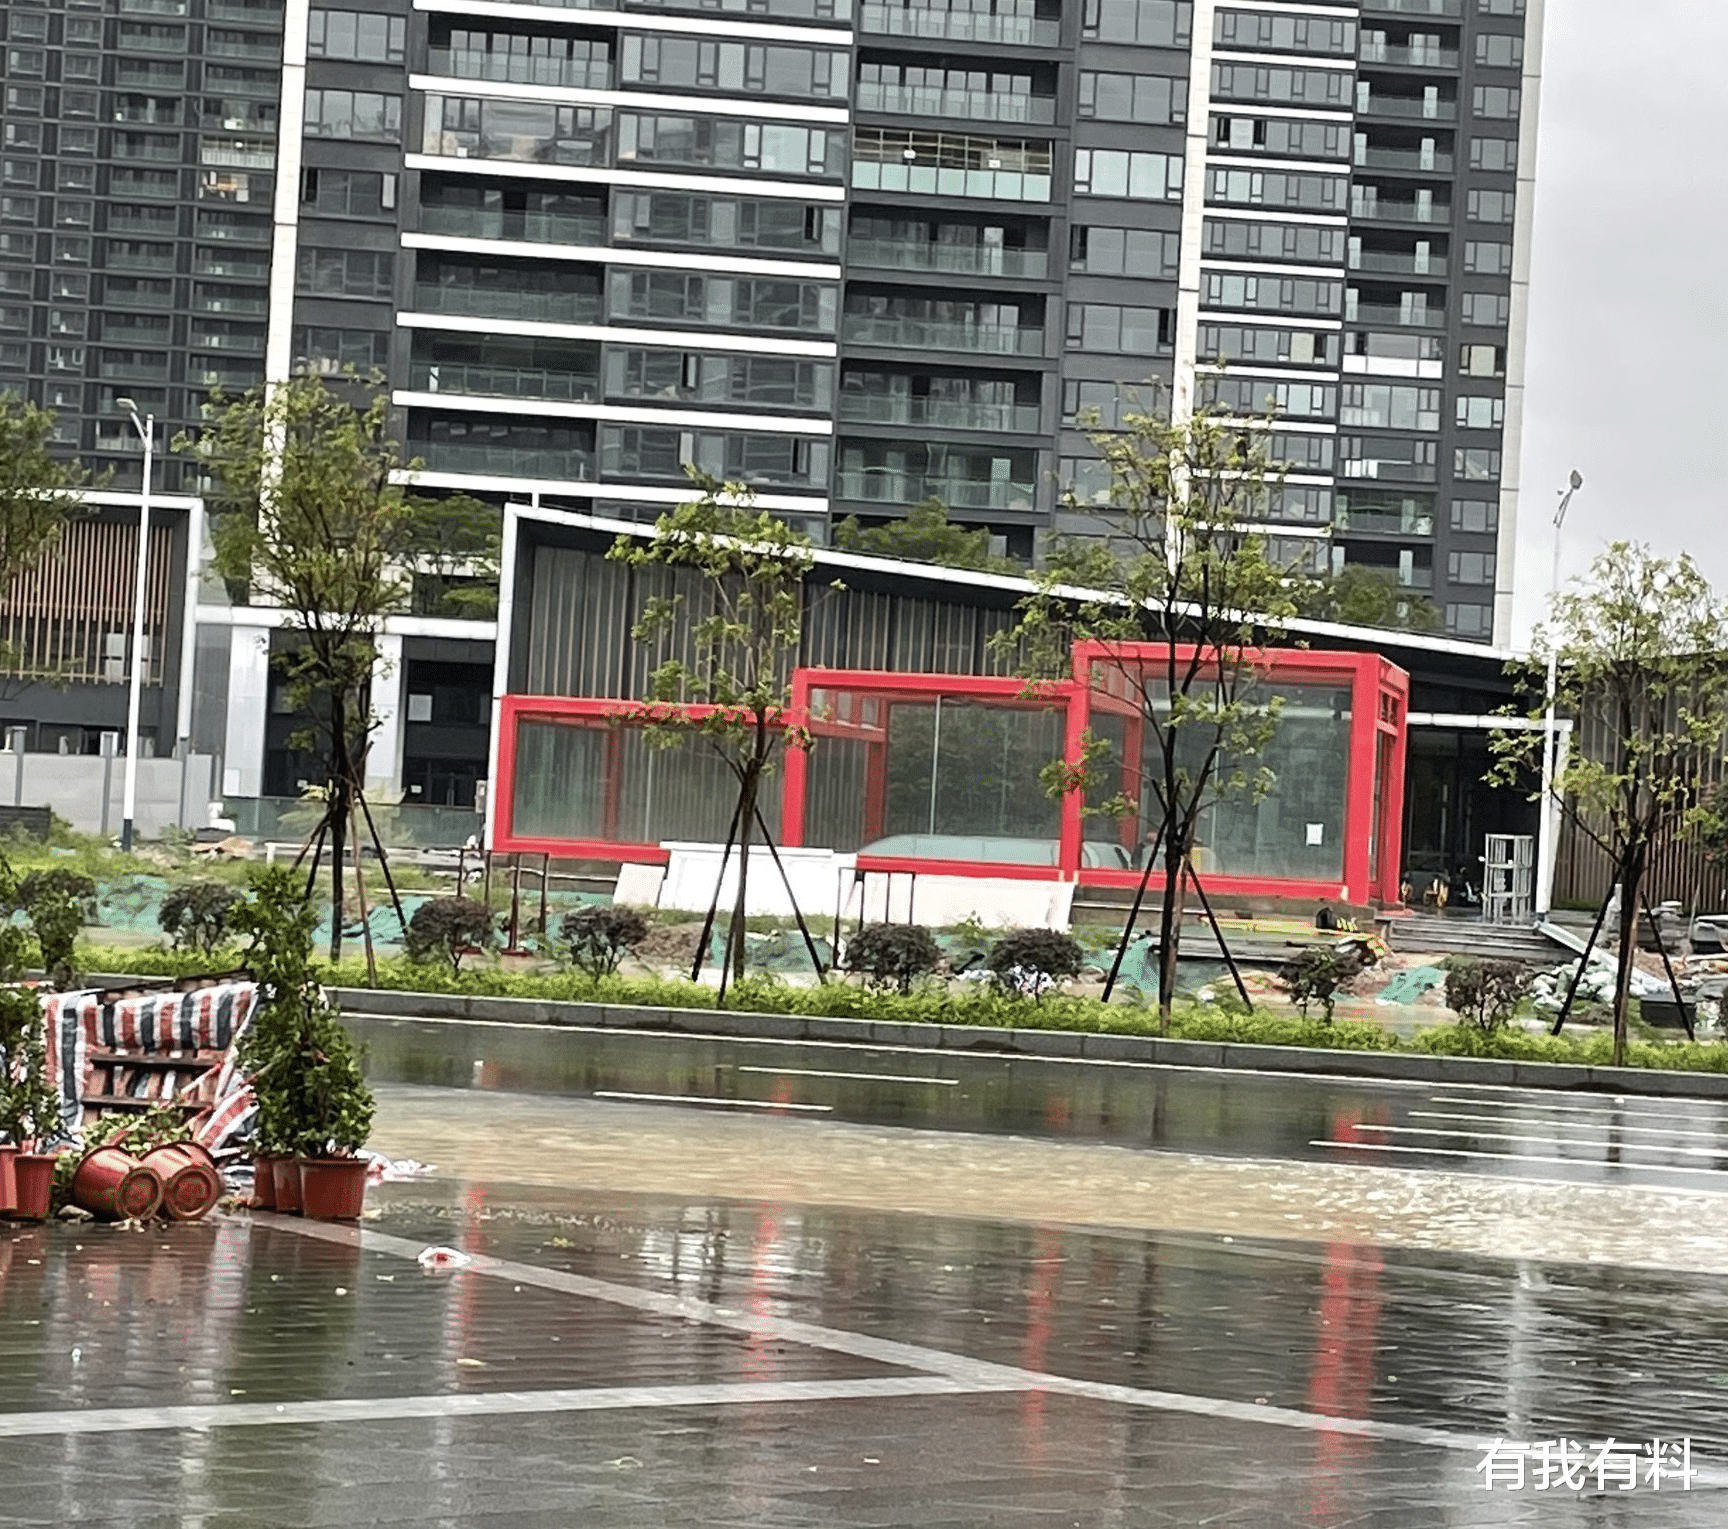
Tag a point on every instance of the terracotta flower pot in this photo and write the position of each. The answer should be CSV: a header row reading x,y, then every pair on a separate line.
x,y
35,1180
191,1186
333,1188
8,1182
285,1177
116,1186
263,1183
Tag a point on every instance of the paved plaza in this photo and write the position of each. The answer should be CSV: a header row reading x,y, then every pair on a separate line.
x,y
676,1317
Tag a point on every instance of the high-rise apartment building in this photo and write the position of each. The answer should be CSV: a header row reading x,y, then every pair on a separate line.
x,y
858,253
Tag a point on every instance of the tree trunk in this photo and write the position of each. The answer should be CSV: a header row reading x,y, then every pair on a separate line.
x,y
746,821
1169,928
1631,886
337,809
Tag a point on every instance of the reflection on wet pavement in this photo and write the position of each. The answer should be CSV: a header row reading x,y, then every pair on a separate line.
x,y
679,1318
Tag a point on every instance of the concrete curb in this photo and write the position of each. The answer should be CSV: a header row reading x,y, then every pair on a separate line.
x,y
1073,1044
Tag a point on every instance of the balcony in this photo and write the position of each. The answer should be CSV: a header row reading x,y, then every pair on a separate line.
x,y
1406,315
497,223
883,485
1407,108
482,381
225,10
1416,55
239,344
519,68
966,105
1448,9
960,26
960,259
222,263
1398,264
504,303
951,413
928,334
260,49
1419,160
227,158
1383,523
128,260
243,307
507,461
1382,210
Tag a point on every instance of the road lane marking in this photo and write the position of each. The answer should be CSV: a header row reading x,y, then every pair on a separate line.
x,y
870,1077
719,1104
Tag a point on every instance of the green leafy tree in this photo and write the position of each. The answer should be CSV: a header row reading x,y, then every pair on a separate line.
x,y
444,929
198,915
736,638
1176,565
1034,960
29,1101
1485,994
1640,659
599,936
924,535
1318,975
39,493
1361,595
310,511
893,955
58,902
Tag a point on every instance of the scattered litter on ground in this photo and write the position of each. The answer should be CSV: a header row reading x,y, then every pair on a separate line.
x,y
442,1258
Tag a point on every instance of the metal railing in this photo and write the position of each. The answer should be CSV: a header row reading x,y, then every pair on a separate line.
x,y
883,485
962,259
505,303
969,105
519,68
926,334
510,461
502,381
496,223
959,26
963,414
1407,106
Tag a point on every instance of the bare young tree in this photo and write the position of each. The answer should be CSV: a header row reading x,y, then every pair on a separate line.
x,y
1177,591
1640,650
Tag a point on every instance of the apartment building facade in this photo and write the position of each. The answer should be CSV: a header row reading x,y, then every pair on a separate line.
x,y
858,253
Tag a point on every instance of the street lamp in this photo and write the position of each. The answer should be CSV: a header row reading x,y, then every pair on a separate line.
x,y
1550,737
146,429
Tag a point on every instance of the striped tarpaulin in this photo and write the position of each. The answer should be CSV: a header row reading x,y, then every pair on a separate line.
x,y
207,1020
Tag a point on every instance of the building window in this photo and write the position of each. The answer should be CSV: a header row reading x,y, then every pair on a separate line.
x,y
1470,620
1482,360
1128,173
326,352
1487,259
1500,101
1492,309
1110,329
1475,464
1267,188
1478,516
357,35
347,193
1481,413
1494,154
1386,406
1155,23
1133,98
1489,206
1305,87
346,273
1123,251
1500,7
361,114
1500,50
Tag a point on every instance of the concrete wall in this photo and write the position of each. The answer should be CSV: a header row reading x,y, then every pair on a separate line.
x,y
73,785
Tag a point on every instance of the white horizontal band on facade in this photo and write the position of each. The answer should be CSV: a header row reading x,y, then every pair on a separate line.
x,y
635,21
1255,214
649,180
269,617
1279,528
587,488
613,414
1278,320
1273,163
1286,8
1296,426
576,95
1294,113
1396,366
622,255
1275,374
1308,480
683,339
1226,267
1284,60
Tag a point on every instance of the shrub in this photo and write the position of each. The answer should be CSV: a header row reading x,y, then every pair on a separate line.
x,y
200,915
58,903
442,928
600,935
1032,960
893,954
1485,994
1318,975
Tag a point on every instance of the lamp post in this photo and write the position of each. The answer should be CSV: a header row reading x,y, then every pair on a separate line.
x,y
1550,738
146,429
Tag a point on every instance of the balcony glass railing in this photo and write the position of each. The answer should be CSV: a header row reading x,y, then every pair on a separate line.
x,y
519,68
883,485
758,10
1420,55
969,105
504,303
962,259
1412,107
591,146
1404,159
1000,185
928,334
497,223
1382,523
510,461
1430,317
242,344
1448,8
246,307
1381,210
960,414
485,381
1398,264
959,25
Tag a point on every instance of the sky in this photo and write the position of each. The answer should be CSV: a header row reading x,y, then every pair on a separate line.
x,y
1627,371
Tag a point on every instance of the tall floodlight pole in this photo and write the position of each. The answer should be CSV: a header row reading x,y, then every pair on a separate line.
x,y
146,429
1550,734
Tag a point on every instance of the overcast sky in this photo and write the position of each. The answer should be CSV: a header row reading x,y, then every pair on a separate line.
x,y
1629,289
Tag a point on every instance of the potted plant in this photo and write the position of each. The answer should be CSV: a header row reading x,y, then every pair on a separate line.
x,y
333,1110
29,1104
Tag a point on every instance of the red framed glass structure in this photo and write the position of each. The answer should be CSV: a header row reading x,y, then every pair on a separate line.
x,y
940,774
